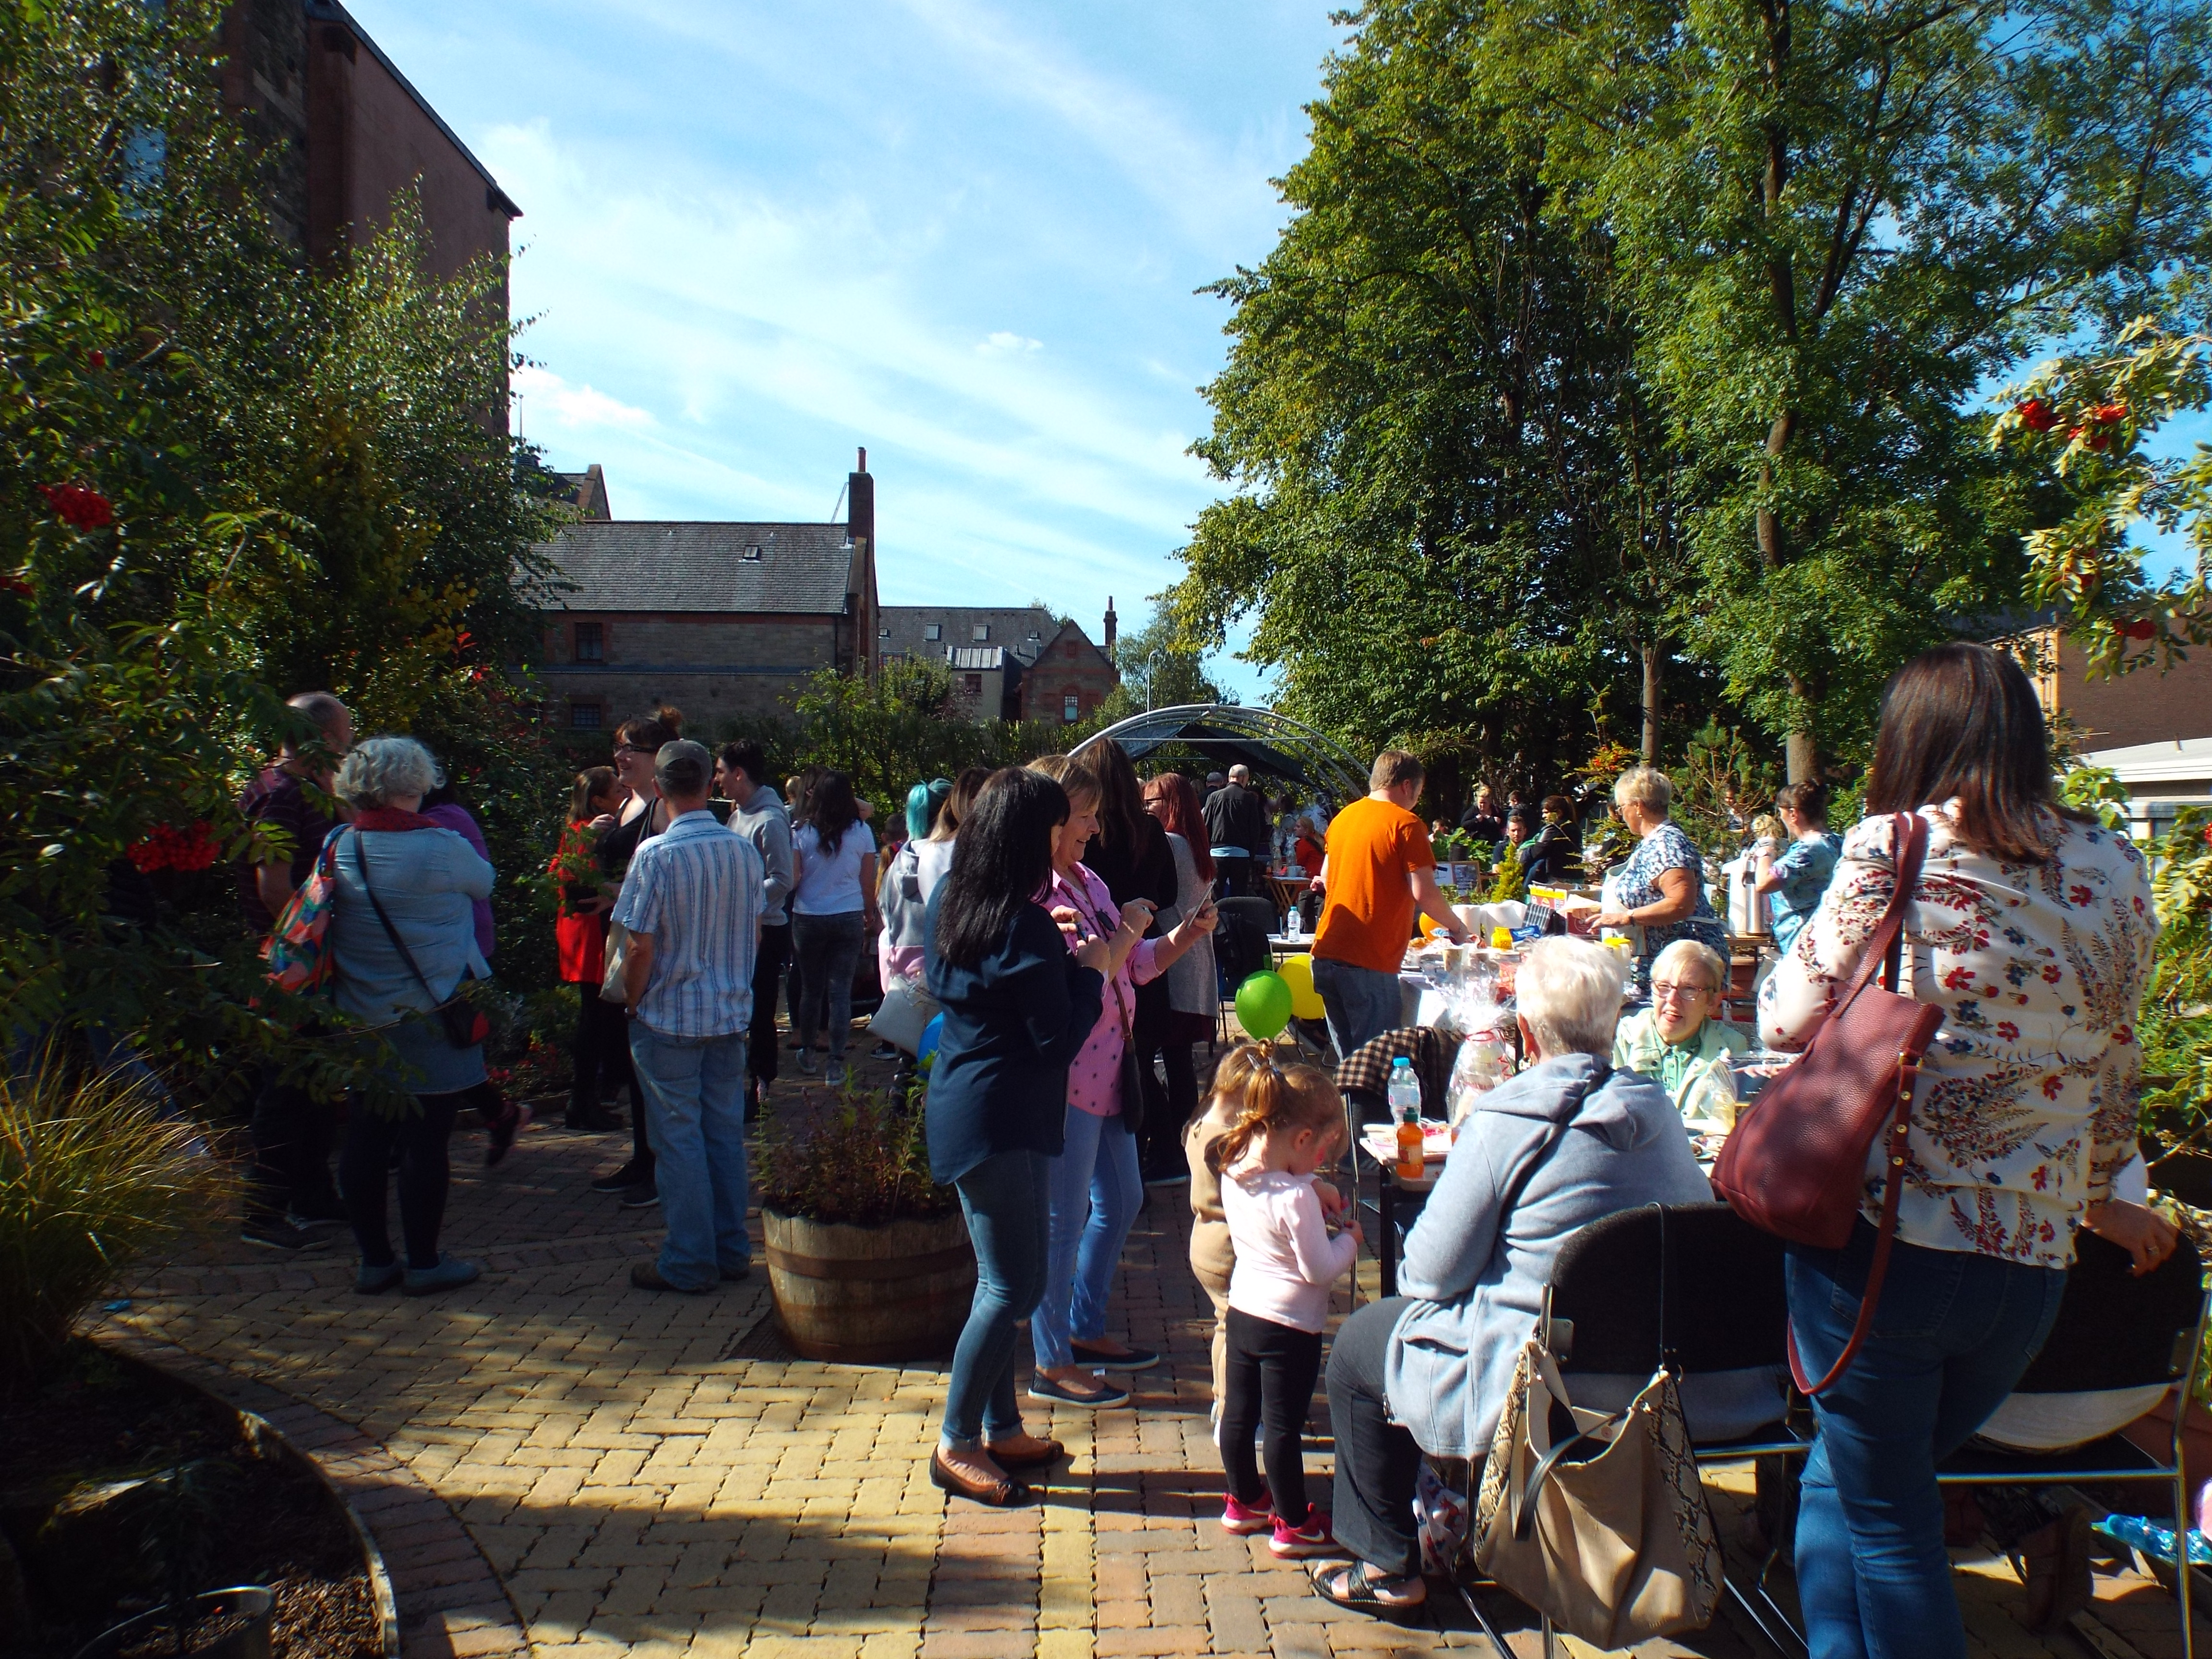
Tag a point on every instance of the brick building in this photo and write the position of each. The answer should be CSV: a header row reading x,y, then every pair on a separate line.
x,y
726,621
2146,707
1020,664
345,131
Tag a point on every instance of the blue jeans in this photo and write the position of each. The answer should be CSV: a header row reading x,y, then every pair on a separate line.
x,y
695,1114
1008,1203
1361,1003
1096,1194
1951,1335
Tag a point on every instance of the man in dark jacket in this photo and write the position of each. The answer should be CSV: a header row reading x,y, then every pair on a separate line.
x,y
1236,817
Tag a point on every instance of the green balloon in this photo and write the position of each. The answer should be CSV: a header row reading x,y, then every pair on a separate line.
x,y
1263,1005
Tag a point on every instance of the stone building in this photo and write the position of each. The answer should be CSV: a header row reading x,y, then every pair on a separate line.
x,y
344,131
726,621
1020,664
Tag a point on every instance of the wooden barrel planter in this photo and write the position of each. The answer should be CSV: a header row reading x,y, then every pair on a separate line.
x,y
865,1295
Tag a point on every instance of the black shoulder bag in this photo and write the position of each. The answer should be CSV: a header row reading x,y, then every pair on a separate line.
x,y
465,1026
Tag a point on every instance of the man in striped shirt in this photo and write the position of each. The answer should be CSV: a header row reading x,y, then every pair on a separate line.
x,y
691,902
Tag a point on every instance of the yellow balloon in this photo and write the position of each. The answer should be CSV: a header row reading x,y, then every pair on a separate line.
x,y
1298,973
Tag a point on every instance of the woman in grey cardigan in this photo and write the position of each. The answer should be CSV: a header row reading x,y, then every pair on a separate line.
x,y
1427,1370
392,974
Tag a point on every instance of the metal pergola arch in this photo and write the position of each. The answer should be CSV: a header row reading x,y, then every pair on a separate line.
x,y
1262,739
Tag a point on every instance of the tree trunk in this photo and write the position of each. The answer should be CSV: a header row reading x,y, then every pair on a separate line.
x,y
1802,746
1654,659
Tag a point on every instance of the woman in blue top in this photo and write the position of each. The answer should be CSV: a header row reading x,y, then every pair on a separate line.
x,y
1018,1008
1798,877
1660,887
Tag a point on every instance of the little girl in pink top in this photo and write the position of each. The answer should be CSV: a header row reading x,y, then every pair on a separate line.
x,y
1288,1123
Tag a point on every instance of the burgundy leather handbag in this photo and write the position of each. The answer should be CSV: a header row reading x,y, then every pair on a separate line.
x,y
1795,1165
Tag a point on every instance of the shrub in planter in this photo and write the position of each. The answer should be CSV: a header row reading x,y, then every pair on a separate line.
x,y
93,1180
868,1259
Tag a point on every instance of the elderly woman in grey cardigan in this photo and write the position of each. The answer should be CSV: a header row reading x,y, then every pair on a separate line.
x,y
392,972
1427,1370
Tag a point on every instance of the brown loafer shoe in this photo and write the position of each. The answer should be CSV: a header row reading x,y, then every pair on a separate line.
x,y
1012,1454
647,1276
1006,1493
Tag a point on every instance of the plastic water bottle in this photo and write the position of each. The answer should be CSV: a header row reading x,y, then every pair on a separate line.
x,y
2153,1539
1405,1097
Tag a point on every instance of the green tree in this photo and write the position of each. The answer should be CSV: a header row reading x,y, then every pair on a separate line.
x,y
1836,222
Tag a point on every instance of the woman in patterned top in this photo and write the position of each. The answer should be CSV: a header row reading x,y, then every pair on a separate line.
x,y
1661,884
2031,926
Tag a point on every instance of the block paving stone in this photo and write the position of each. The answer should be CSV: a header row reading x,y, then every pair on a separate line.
x,y
557,1464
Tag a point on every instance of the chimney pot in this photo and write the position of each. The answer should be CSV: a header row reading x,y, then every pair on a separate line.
x,y
863,466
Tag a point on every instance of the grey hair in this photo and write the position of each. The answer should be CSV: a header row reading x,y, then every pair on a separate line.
x,y
1240,773
377,768
1648,786
1684,951
1569,991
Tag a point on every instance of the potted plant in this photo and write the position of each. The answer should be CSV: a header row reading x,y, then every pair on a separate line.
x,y
868,1258
185,1514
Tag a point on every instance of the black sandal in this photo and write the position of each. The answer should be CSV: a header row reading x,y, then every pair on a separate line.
x,y
1006,1493
1358,1590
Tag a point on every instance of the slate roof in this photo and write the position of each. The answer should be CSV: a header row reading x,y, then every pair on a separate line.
x,y
639,564
1023,630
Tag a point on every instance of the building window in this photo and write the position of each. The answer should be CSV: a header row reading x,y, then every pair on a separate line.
x,y
933,631
979,632
972,684
1071,708
883,633
584,716
591,644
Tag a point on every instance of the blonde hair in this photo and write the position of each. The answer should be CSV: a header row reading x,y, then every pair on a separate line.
x,y
1078,779
1767,827
1264,1097
1683,950
1648,786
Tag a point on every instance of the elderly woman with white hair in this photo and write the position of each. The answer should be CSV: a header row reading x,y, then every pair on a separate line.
x,y
403,942
1678,1043
1567,1141
1659,888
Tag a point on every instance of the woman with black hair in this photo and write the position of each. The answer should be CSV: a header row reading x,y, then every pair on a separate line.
x,y
1130,853
833,910
1019,1006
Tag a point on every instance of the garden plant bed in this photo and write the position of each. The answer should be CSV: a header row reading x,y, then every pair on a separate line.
x,y
108,1418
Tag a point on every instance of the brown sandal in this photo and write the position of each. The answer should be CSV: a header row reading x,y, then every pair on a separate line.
x,y
1005,1493
1047,1451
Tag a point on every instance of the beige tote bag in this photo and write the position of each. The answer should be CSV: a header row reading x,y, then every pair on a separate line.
x,y
1616,1547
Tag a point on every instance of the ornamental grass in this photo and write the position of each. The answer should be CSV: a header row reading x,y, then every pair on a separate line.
x,y
93,1183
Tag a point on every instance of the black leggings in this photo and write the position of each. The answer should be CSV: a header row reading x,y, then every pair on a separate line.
x,y
1272,1372
768,963
421,1137
601,1050
1160,1145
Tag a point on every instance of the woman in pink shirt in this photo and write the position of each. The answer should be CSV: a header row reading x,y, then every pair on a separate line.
x,y
1096,1185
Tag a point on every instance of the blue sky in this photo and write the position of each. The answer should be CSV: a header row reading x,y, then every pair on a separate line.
x,y
964,233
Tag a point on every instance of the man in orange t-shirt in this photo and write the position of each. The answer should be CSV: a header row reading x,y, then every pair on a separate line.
x,y
1378,872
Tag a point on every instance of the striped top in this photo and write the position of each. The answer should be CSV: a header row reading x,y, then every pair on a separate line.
x,y
696,889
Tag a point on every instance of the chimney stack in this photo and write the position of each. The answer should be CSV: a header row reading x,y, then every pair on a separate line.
x,y
1110,625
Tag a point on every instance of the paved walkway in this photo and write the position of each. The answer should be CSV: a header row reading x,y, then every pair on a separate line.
x,y
654,1475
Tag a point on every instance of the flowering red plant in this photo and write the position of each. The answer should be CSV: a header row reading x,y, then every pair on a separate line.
x,y
2141,628
169,848
2037,415
77,507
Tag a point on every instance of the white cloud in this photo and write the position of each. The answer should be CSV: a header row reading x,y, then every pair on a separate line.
x,y
1002,344
540,395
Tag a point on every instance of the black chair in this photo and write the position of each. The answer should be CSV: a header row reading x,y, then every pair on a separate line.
x,y
1240,941
1717,1283
2113,1331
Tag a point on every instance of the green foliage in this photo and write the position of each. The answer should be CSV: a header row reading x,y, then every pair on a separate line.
x,y
94,1182
2095,789
2176,1023
863,1161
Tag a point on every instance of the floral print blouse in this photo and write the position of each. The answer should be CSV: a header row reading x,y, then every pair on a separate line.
x,y
2027,1098
1637,882
1094,1081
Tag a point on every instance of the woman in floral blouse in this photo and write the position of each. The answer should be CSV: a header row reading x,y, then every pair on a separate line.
x,y
1096,1185
1660,886
2031,926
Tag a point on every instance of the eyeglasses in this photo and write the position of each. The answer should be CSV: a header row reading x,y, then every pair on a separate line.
x,y
1678,992
622,749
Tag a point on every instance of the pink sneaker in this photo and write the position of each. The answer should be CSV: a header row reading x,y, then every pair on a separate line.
x,y
1244,1520
1298,1543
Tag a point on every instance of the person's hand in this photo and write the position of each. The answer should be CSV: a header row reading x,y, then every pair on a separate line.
x,y
1313,885
1332,1201
1200,920
1136,917
873,921
1093,954
604,822
1358,1238
2144,1234
1613,919
1069,922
